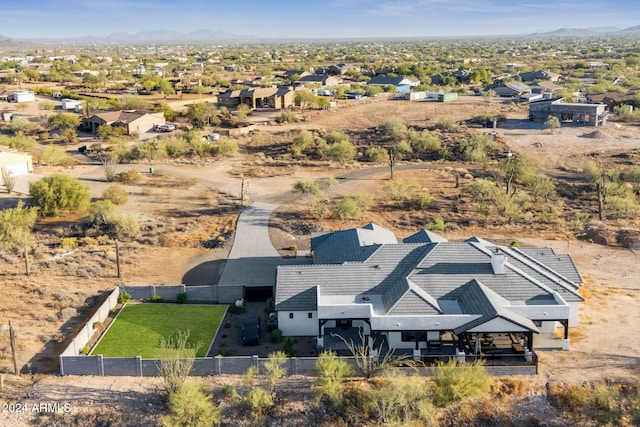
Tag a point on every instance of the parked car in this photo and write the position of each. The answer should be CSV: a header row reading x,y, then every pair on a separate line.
x,y
165,128
251,330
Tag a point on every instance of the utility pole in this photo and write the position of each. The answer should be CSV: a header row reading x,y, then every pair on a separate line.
x,y
118,260
12,339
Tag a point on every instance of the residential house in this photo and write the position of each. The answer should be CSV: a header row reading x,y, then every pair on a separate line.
x,y
321,79
530,76
426,292
261,97
14,162
509,89
579,113
135,121
401,84
611,99
23,96
544,87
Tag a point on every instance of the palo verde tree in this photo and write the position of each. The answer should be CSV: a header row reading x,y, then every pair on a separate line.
x,y
59,194
202,113
15,229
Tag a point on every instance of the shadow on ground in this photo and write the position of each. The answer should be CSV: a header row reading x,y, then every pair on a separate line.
x,y
207,273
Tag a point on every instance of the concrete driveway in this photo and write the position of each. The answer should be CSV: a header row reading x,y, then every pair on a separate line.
x,y
253,260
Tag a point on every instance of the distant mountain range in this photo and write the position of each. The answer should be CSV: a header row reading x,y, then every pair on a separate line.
x,y
206,35
587,32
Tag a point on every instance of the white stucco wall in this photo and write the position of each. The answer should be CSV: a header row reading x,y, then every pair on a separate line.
x,y
298,326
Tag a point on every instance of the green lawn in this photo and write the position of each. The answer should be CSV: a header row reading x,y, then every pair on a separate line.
x,y
139,327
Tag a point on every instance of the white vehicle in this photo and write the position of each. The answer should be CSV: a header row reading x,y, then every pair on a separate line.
x,y
165,128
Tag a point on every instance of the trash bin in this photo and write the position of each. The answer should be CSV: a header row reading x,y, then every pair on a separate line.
x,y
151,169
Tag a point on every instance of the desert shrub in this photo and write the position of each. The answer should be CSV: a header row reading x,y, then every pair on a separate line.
x,y
347,208
58,194
177,147
176,360
288,347
424,141
190,405
124,297
225,147
101,213
126,226
287,117
376,155
53,155
436,224
342,152
395,129
476,148
116,194
424,200
303,143
274,368
331,372
276,336
69,242
568,397
156,298
401,190
19,142
181,297
128,177
511,208
400,399
455,383
446,124
552,122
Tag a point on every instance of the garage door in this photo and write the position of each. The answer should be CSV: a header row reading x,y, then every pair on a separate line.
x,y
258,293
18,169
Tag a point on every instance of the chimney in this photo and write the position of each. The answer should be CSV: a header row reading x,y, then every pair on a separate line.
x,y
498,261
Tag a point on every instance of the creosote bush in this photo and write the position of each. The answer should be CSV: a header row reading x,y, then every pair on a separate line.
x,y
191,405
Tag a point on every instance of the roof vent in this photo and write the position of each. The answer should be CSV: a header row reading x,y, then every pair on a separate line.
x,y
498,260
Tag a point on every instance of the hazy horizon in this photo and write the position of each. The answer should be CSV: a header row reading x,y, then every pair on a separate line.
x,y
42,19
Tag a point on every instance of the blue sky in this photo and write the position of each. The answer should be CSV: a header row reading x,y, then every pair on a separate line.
x,y
304,18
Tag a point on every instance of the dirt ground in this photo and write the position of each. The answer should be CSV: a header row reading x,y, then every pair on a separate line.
x,y
188,211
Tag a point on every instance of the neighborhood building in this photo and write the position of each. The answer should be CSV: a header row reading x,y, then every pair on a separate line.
x,y
509,89
530,76
426,292
402,84
133,121
23,96
71,104
321,79
14,162
260,97
579,113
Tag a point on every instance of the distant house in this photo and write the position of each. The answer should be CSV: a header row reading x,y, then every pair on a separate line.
x,y
471,297
529,76
23,96
290,73
14,162
611,99
321,79
587,114
402,84
544,86
133,121
71,104
510,89
261,97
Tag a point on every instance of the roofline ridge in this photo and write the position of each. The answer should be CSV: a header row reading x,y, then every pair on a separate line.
x,y
546,267
545,271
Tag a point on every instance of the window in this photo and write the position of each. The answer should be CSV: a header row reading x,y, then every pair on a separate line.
x,y
290,315
310,315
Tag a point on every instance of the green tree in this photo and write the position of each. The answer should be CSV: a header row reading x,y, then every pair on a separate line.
x,y
303,143
377,155
516,169
395,129
202,113
58,194
604,181
16,226
422,142
305,98
62,121
166,88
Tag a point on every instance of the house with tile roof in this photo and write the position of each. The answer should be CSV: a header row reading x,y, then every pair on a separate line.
x,y
132,121
427,293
